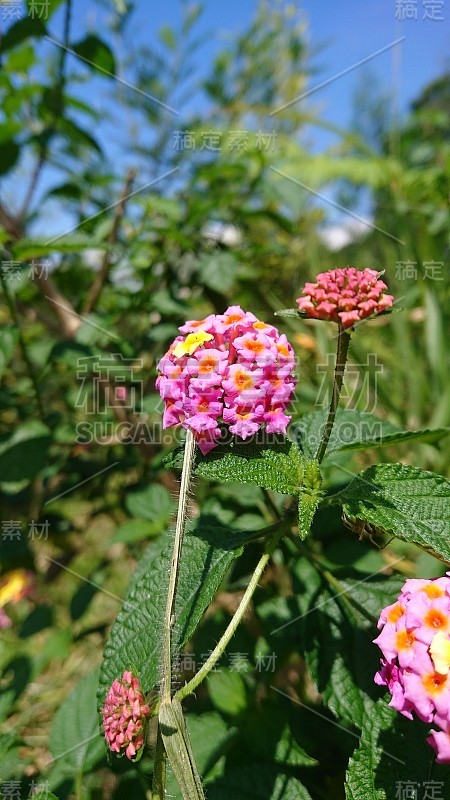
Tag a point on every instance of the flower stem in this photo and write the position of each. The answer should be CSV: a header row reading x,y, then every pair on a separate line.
x,y
341,359
219,649
159,770
169,618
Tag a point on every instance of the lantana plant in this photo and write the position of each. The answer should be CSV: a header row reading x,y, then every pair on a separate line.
x,y
228,381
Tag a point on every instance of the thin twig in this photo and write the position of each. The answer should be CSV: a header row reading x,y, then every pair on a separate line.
x,y
219,649
100,278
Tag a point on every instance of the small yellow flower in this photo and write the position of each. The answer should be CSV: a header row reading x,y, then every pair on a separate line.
x,y
191,343
15,585
440,653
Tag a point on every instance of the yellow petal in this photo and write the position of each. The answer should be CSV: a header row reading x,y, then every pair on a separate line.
x,y
440,653
191,343
13,585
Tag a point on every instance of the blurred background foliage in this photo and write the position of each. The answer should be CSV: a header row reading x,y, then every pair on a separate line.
x,y
105,254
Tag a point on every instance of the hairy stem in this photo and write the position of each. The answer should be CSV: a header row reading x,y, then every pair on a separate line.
x,y
219,649
169,619
341,359
159,770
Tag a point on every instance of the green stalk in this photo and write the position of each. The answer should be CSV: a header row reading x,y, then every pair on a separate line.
x,y
341,360
175,745
169,618
219,649
159,770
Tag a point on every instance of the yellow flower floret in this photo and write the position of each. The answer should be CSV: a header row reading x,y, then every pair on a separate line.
x,y
440,652
191,343
13,586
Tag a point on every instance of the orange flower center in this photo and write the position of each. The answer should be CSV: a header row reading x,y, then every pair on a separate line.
x,y
432,591
435,619
395,613
259,325
405,640
232,318
242,380
255,347
434,682
283,350
207,364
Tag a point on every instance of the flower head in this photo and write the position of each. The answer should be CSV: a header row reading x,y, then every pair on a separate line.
x,y
230,368
124,716
345,296
415,642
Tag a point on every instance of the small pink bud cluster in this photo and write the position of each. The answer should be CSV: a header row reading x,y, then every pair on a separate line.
x,y
124,715
229,368
415,642
345,295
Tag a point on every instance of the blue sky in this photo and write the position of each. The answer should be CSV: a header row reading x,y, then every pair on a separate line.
x,y
344,32
340,34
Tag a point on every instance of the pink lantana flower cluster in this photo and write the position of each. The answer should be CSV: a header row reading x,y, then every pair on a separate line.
x,y
229,368
415,642
124,715
345,296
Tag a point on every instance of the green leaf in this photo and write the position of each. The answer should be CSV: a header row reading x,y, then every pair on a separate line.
x,y
426,435
335,634
309,497
67,189
167,36
152,503
77,135
392,754
257,782
276,465
355,430
21,59
268,737
96,53
22,29
8,341
404,501
135,530
9,154
135,639
27,249
227,691
218,271
291,312
11,762
210,736
8,129
307,505
75,735
24,454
